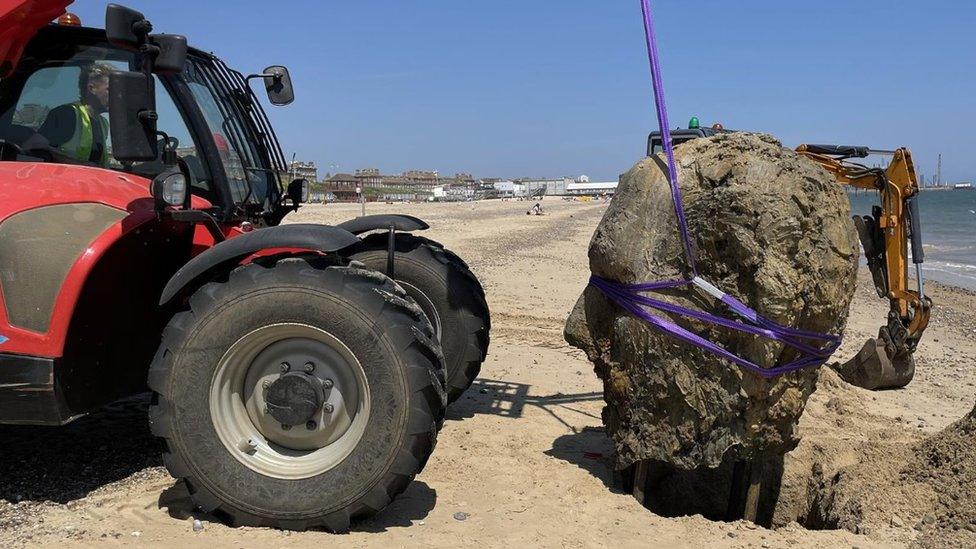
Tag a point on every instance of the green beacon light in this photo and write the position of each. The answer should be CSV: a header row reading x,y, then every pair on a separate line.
x,y
693,123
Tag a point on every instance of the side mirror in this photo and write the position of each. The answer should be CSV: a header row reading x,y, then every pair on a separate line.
x,y
172,53
277,82
129,29
298,191
125,28
132,116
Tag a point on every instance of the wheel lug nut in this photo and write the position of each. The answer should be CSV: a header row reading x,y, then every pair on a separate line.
x,y
309,367
310,425
327,384
266,384
285,427
285,366
248,446
329,408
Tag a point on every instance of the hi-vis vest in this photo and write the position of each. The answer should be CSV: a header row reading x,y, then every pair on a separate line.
x,y
79,146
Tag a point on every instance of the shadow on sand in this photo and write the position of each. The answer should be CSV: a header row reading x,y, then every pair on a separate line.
x,y
412,505
62,464
671,492
509,399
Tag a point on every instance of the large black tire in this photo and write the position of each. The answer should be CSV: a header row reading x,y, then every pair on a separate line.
x,y
387,334
448,292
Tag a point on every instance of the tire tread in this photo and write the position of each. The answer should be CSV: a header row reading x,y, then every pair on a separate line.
x,y
398,313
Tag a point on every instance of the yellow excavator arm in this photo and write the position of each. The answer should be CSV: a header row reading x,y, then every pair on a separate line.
x,y
885,235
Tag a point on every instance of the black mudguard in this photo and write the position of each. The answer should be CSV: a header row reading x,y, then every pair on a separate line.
x,y
319,238
400,223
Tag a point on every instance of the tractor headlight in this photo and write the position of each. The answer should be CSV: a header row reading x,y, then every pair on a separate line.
x,y
170,189
174,189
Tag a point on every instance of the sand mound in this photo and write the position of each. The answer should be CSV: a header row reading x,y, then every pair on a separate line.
x,y
884,480
946,462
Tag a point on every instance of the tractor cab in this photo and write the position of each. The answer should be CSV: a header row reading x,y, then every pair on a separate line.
x,y
678,136
189,114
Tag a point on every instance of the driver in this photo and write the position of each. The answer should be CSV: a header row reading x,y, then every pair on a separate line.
x,y
79,131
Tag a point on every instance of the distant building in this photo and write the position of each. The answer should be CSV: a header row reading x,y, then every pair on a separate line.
x,y
591,189
508,189
424,185
341,187
542,187
411,185
369,178
453,193
303,170
461,192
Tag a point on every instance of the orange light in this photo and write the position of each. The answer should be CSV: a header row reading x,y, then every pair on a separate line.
x,y
718,126
69,19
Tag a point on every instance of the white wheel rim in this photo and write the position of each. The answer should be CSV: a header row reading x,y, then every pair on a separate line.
x,y
255,438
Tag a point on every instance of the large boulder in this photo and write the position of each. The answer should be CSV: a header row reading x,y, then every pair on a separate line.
x,y
770,228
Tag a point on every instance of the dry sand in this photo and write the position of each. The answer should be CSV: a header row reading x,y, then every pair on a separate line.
x,y
522,454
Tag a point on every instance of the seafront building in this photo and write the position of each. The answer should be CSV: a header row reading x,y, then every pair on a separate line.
x,y
303,170
588,188
423,185
411,185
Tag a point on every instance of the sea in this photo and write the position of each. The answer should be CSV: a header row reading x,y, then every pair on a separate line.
x,y
948,233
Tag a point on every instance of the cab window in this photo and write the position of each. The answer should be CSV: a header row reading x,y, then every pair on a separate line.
x,y
60,113
172,124
54,108
248,179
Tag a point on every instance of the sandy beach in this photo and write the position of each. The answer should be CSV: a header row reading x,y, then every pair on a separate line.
x,y
522,459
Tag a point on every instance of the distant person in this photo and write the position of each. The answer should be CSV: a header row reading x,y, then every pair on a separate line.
x,y
536,210
77,131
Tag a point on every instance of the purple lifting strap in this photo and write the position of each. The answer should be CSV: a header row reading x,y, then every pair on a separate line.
x,y
629,296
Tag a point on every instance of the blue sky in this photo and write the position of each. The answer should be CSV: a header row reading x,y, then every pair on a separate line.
x,y
513,88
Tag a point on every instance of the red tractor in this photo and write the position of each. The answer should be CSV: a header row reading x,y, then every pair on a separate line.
x,y
299,373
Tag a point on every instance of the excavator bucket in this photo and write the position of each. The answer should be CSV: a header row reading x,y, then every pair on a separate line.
x,y
875,367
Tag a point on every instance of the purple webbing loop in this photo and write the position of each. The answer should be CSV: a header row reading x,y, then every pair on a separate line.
x,y
662,122
629,298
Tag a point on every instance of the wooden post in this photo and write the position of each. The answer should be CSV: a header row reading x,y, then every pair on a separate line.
x,y
737,491
756,470
640,481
